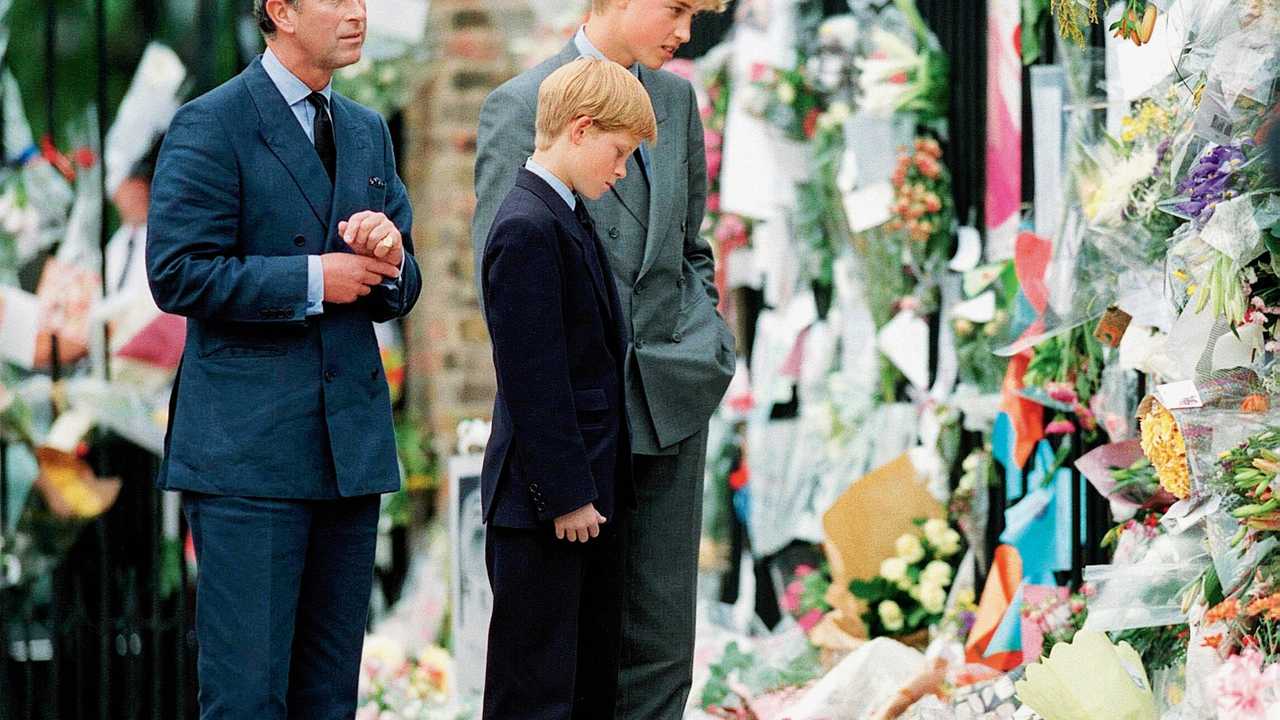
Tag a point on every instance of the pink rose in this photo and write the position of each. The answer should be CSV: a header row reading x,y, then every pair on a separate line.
x,y
714,158
758,72
713,203
712,139
729,228
803,570
810,619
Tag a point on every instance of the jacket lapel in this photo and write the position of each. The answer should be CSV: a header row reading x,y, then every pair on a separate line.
x,y
281,132
586,244
660,178
351,193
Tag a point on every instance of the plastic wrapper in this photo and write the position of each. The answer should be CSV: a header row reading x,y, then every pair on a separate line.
x,y
1147,593
1234,562
860,683
735,663
1220,423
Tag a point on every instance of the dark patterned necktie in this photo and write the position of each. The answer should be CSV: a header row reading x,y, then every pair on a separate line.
x,y
322,131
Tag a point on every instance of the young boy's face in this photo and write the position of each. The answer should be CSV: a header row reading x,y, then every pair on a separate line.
x,y
600,160
654,29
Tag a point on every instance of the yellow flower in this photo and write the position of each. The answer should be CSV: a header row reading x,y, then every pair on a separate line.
x,y
1163,444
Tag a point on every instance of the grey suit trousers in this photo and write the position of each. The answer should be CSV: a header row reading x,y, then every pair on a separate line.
x,y
661,578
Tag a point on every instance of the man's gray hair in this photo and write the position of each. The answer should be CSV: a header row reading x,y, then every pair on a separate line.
x,y
265,24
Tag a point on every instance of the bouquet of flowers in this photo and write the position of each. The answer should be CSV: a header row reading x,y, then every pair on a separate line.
x,y
788,99
1164,446
1058,618
395,685
1063,375
1249,480
805,597
910,592
904,73
922,200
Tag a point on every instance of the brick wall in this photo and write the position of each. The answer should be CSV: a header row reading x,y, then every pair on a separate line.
x,y
451,370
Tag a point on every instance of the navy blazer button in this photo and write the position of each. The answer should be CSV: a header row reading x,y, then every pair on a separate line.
x,y
373,375
377,182
330,375
299,240
613,233
676,336
639,343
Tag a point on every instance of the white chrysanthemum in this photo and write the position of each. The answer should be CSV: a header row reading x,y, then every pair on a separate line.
x,y
933,598
937,573
890,615
908,548
893,569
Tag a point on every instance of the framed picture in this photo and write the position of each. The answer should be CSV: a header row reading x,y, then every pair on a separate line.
x,y
471,597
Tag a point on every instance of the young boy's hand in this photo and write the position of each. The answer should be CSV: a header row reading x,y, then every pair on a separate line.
x,y
580,525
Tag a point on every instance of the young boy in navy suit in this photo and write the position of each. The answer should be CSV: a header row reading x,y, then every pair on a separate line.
x,y
557,467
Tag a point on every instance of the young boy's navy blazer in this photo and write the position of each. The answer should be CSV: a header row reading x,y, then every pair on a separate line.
x,y
560,438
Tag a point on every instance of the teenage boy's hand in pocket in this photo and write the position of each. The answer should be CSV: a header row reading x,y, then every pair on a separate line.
x,y
580,525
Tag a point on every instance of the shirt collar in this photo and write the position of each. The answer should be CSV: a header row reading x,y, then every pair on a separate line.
x,y
556,183
586,49
293,89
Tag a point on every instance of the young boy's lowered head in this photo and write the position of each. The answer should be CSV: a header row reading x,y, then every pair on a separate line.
x,y
592,114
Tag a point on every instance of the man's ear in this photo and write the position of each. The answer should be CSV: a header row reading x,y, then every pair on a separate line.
x,y
283,14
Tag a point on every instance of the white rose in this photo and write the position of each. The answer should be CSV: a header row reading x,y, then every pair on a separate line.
x,y
909,548
937,573
893,569
934,530
933,598
786,93
950,544
890,615
970,462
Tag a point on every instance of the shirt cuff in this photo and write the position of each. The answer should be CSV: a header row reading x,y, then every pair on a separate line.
x,y
394,283
315,285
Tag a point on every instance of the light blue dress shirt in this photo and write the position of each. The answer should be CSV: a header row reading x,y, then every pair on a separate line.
x,y
295,93
556,183
586,49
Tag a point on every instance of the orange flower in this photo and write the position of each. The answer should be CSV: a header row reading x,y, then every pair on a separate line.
x,y
1255,403
932,203
1269,606
1228,609
1213,641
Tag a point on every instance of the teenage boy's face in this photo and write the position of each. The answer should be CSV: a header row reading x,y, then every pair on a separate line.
x,y
600,160
654,29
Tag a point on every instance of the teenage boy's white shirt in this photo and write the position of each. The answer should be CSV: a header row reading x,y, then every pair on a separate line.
x,y
295,93
556,183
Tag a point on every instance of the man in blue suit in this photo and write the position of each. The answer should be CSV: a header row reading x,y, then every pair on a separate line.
x,y
281,231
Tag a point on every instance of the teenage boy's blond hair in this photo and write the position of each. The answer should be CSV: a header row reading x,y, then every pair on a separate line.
x,y
602,90
599,6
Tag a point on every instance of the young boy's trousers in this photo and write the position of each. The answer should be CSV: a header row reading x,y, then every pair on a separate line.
x,y
554,636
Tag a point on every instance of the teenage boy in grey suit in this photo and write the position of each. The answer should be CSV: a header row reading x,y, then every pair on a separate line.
x,y
680,357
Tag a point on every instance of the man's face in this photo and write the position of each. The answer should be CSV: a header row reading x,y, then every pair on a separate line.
x,y
600,160
330,33
653,30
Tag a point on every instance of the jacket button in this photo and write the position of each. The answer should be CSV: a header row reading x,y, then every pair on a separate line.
x,y
299,240
684,226
676,336
639,343
613,233
639,288
330,375
374,374
680,281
